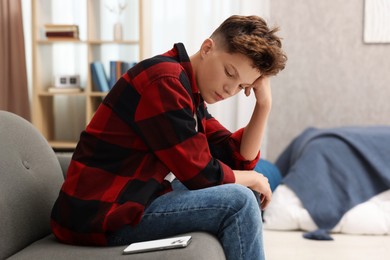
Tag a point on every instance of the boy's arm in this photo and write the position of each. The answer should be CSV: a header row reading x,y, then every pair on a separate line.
x,y
252,138
240,150
254,131
256,182
226,146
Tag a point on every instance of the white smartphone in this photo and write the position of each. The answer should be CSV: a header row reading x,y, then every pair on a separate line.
x,y
159,244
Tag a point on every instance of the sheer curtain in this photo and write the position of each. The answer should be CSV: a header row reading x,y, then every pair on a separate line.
x,y
190,22
13,72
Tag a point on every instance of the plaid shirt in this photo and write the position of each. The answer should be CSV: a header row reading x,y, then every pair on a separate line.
x,y
144,129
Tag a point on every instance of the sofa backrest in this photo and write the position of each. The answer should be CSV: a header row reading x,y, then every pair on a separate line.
x,y
30,180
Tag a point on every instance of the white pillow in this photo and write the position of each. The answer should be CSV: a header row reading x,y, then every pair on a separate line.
x,y
286,212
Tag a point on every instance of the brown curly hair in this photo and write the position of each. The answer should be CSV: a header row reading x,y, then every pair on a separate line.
x,y
250,35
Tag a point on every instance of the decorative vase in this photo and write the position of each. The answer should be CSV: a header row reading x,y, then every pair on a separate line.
x,y
118,32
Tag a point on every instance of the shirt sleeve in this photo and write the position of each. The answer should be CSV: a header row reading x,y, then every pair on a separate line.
x,y
225,145
165,120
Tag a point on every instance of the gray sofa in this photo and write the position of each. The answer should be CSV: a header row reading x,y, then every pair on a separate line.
x,y
30,179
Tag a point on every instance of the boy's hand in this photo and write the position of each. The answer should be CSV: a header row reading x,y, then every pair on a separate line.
x,y
256,182
262,186
262,89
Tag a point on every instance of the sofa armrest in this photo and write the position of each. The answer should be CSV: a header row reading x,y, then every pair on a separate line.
x,y
64,159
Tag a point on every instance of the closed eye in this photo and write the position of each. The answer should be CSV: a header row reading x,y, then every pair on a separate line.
x,y
228,74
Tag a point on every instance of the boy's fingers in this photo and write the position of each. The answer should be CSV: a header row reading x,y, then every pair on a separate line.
x,y
247,91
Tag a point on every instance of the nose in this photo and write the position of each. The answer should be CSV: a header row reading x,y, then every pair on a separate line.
x,y
229,89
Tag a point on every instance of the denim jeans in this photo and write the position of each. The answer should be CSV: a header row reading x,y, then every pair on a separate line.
x,y
230,212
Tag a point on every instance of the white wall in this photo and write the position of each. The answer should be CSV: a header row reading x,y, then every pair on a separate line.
x,y
26,10
332,77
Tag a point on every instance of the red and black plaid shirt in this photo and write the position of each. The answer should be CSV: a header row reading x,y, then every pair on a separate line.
x,y
144,129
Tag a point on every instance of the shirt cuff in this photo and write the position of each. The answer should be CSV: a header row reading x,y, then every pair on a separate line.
x,y
228,175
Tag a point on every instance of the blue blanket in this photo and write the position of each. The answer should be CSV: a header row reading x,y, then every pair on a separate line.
x,y
333,170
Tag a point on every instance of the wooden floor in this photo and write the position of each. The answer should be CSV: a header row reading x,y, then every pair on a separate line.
x,y
284,245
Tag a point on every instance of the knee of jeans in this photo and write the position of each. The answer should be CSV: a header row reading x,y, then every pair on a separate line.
x,y
240,196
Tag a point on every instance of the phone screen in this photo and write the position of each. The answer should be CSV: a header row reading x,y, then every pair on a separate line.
x,y
159,244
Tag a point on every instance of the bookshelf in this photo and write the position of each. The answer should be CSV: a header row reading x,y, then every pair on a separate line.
x,y
61,117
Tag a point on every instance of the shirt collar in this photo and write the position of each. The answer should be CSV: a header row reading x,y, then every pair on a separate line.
x,y
185,62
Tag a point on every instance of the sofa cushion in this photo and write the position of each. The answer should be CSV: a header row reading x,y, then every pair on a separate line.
x,y
203,246
30,179
64,158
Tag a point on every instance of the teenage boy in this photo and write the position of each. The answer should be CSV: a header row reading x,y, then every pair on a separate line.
x,y
153,126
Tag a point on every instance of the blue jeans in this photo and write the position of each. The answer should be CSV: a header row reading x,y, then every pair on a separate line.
x,y
230,212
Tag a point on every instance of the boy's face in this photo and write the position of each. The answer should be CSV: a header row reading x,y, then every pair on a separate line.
x,y
221,75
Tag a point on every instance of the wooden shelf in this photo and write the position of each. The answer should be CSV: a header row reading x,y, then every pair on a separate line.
x,y
50,94
64,40
98,42
92,42
98,94
63,145
52,112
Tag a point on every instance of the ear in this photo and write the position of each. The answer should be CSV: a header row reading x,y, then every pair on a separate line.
x,y
207,47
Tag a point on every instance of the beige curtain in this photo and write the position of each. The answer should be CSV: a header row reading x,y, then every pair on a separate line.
x,y
13,72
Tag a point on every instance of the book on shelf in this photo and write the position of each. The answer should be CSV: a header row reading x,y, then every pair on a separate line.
x,y
57,27
65,34
61,31
117,69
99,77
61,90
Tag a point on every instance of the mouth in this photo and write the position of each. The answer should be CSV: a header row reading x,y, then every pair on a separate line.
x,y
219,97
